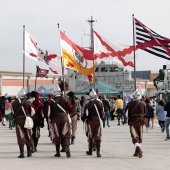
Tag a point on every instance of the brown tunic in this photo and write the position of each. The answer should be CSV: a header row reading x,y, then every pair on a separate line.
x,y
59,118
23,134
93,124
135,120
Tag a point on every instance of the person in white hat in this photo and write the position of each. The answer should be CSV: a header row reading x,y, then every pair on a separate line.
x,y
93,113
136,111
23,134
59,110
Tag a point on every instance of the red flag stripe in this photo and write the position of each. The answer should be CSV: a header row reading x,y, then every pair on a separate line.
x,y
87,54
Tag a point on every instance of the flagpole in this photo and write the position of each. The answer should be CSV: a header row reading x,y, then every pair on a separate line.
x,y
94,78
37,67
23,56
134,45
92,45
61,60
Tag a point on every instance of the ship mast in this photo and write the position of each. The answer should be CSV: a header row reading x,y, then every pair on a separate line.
x,y
91,21
91,32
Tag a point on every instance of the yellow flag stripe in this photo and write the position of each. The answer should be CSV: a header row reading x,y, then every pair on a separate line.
x,y
70,62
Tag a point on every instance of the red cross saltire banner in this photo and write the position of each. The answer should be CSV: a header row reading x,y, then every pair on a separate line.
x,y
106,50
35,52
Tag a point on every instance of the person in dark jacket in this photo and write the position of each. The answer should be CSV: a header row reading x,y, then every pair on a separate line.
x,y
123,111
106,106
149,113
2,109
167,121
82,101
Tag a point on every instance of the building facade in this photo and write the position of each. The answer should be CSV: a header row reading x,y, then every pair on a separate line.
x,y
109,74
12,82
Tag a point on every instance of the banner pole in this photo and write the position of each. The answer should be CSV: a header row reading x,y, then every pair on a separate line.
x,y
36,75
23,56
62,60
134,45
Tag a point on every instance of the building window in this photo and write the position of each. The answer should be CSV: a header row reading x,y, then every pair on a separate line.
x,y
103,69
113,69
97,69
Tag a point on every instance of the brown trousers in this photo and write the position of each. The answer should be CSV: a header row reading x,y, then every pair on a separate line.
x,y
61,128
94,130
23,134
136,131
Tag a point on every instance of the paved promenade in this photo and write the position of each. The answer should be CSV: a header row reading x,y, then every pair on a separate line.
x,y
116,151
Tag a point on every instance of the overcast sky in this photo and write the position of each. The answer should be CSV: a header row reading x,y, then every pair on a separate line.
x,y
114,22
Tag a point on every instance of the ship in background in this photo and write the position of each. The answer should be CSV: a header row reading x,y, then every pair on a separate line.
x,y
116,77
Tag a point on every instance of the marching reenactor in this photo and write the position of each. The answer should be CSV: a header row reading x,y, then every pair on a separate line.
x,y
60,108
93,113
38,118
136,111
21,105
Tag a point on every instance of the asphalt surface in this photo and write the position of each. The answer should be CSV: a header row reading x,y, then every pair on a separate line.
x,y
116,150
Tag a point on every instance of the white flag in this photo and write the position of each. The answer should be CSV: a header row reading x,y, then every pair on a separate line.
x,y
33,51
105,50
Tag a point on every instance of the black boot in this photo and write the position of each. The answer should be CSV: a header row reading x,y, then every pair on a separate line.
x,y
69,141
32,146
98,148
72,140
35,144
138,152
33,149
62,145
21,148
29,154
90,149
66,146
62,150
57,150
93,146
